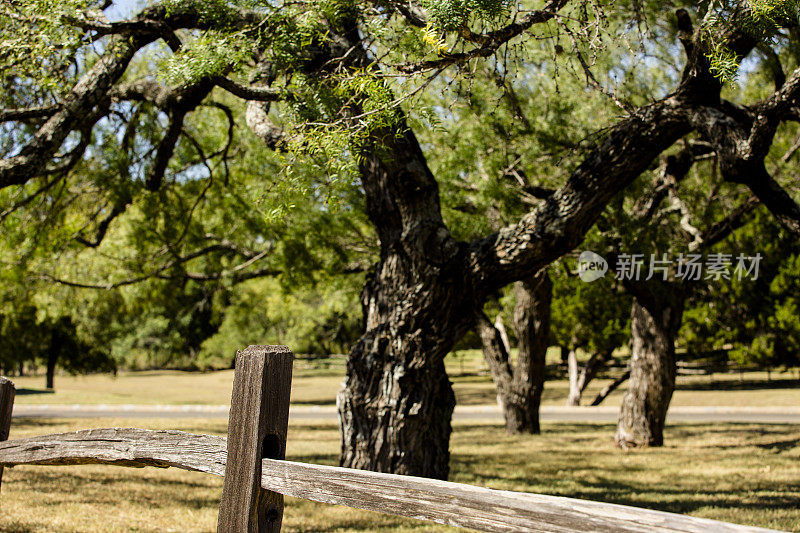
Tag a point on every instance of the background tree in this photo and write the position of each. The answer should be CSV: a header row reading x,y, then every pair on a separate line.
x,y
657,270
591,317
750,321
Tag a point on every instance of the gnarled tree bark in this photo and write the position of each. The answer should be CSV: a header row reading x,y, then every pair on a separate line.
x,y
655,320
396,404
532,326
520,384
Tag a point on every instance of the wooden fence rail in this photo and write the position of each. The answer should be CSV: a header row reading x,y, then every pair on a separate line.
x,y
258,477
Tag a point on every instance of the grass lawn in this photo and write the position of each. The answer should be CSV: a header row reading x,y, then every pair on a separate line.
x,y
742,473
316,383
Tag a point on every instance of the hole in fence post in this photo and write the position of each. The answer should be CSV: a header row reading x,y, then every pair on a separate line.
x,y
272,447
257,425
7,393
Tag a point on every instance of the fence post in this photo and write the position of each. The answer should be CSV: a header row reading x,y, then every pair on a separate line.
x,y
7,393
256,430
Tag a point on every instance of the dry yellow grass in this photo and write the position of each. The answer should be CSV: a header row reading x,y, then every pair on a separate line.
x,y
741,473
314,384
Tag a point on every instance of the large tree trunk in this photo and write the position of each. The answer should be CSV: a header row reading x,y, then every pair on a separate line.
x,y
396,401
532,326
654,325
396,404
520,385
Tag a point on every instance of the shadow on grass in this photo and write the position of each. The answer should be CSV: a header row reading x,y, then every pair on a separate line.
x,y
734,385
26,392
26,422
780,446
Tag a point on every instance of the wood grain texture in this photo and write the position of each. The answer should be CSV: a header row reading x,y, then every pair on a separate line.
x,y
472,507
7,393
257,426
120,446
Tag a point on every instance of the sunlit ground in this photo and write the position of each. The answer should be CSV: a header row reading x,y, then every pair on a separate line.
x,y
317,382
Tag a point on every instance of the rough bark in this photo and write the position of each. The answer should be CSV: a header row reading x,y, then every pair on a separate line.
x,y
654,325
532,326
397,401
519,385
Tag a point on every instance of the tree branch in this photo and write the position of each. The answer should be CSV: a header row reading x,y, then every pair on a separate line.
x,y
88,93
488,43
733,221
102,227
166,147
261,94
560,223
236,274
28,113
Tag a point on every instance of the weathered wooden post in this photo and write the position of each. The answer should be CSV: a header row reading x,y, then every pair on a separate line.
x,y
7,393
257,426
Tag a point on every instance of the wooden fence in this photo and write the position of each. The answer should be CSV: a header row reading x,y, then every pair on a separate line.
x,y
256,476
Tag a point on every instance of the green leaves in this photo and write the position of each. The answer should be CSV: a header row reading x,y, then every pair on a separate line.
x,y
760,18
454,14
212,53
37,42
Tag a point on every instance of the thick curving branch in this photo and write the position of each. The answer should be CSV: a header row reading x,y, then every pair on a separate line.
x,y
739,137
560,223
164,151
89,99
253,93
734,220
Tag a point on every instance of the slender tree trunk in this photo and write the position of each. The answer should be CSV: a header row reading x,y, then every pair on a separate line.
x,y
580,379
520,385
654,325
611,387
52,359
501,329
574,397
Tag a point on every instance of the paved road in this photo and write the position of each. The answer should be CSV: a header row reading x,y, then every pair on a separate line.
x,y
778,415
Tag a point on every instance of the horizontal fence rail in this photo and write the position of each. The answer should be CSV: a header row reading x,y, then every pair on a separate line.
x,y
259,477
443,502
472,507
120,446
